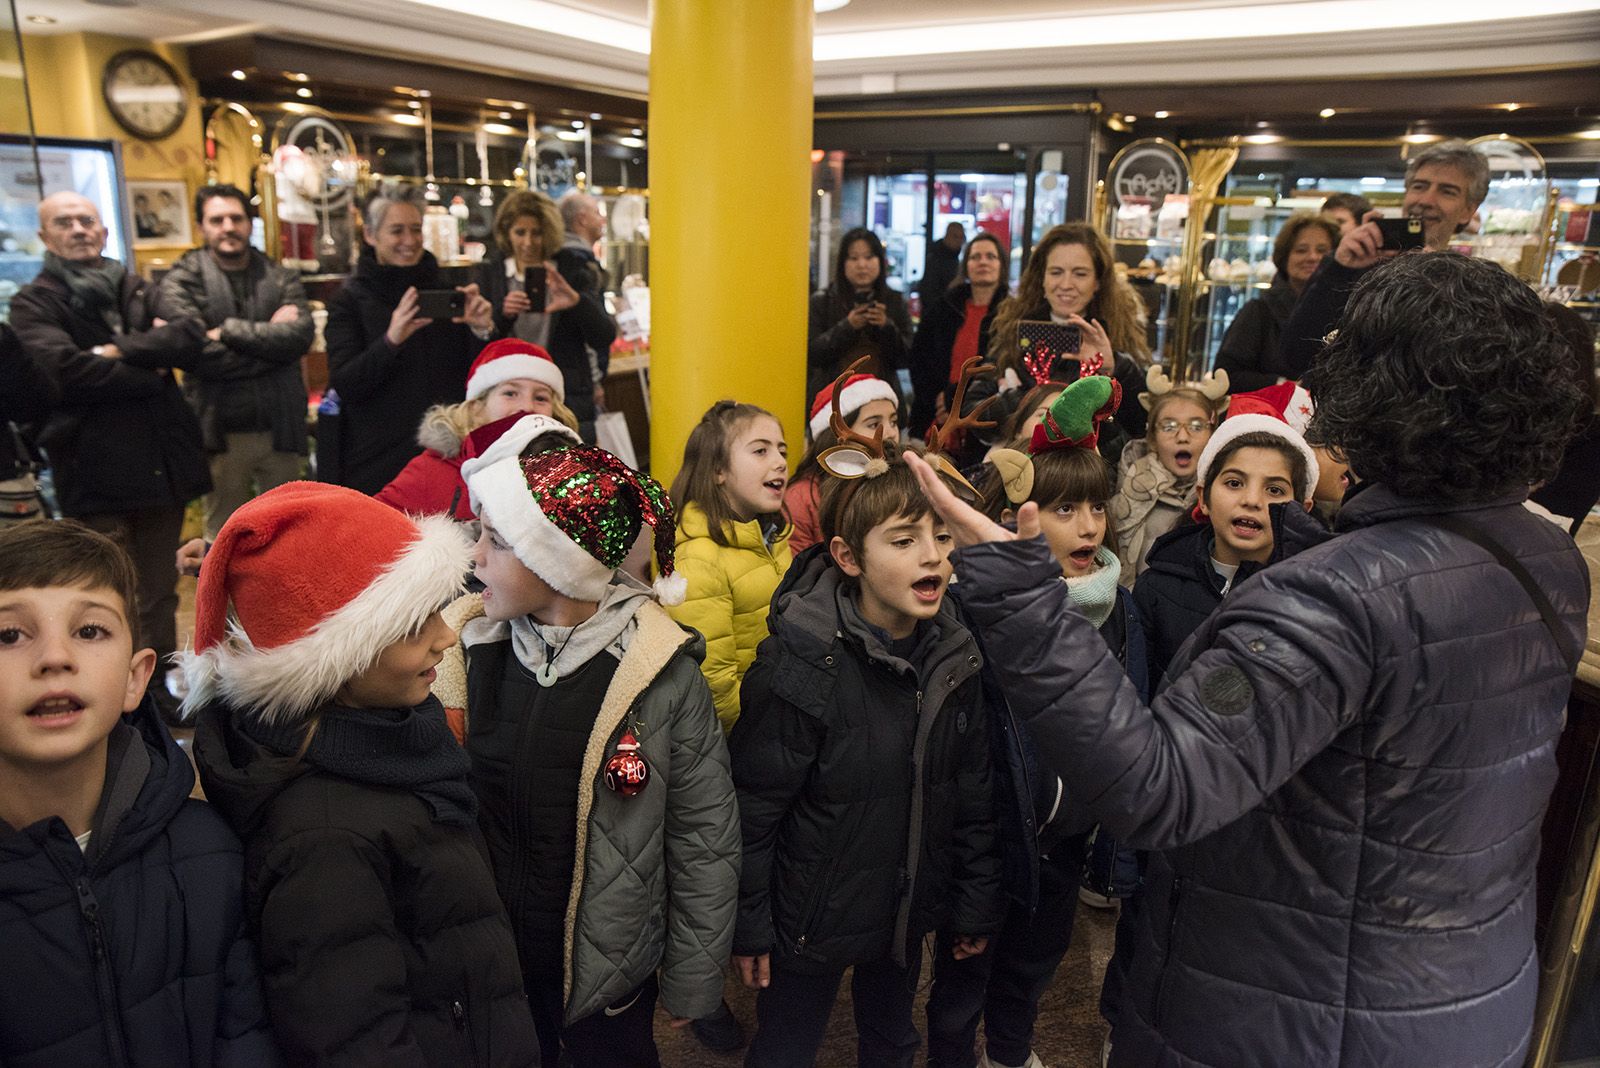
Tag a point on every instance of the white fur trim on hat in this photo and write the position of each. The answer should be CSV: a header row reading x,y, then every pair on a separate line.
x,y
853,398
515,365
1257,423
287,682
513,441
500,492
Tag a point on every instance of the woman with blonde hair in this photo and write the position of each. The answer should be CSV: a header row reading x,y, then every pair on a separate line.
x,y
572,323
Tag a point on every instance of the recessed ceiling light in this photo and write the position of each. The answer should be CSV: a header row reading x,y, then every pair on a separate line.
x,y
41,20
1263,124
505,114
1510,107
1589,135
1162,114
239,75
413,104
303,93
637,132
1327,113
500,128
595,116
577,124
405,118
1130,118
296,76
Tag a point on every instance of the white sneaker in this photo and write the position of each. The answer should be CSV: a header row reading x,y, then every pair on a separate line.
x,y
1033,1061
1096,901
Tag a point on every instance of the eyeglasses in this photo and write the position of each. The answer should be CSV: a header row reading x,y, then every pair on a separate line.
x,y
1193,426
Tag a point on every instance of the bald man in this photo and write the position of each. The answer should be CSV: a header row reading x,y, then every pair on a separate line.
x,y
581,337
123,443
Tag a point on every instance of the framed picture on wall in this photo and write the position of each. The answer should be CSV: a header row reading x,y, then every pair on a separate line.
x,y
160,214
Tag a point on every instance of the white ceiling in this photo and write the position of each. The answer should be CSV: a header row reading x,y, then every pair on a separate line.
x,y
881,47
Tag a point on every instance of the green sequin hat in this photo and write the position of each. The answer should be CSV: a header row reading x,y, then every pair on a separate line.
x,y
572,515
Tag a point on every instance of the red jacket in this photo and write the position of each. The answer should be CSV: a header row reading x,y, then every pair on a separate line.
x,y
427,486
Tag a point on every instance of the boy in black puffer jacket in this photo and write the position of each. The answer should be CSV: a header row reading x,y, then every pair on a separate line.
x,y
382,938
863,770
120,900
1253,460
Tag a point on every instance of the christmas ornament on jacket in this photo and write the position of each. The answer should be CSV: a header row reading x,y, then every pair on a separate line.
x,y
626,772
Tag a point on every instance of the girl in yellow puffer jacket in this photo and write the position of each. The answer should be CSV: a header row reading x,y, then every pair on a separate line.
x,y
733,542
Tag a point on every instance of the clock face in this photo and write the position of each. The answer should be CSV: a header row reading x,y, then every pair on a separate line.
x,y
144,94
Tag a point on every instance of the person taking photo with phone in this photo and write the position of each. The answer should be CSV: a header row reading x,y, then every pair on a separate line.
x,y
387,360
535,301
857,315
1445,183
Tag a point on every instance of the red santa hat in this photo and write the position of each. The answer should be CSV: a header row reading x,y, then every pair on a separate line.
x,y
302,590
511,358
858,391
572,515
1282,410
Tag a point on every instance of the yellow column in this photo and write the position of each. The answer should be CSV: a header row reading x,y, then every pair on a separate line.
x,y
730,177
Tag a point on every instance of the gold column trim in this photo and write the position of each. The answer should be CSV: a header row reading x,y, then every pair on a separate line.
x,y
1092,107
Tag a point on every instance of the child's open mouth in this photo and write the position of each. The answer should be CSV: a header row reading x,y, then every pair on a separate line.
x,y
1183,457
775,485
56,710
1245,527
1082,559
928,589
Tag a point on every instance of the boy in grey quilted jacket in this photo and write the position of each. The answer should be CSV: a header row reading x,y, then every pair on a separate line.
x,y
601,772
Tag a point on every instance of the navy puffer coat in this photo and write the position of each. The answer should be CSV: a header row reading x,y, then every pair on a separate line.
x,y
1346,777
134,954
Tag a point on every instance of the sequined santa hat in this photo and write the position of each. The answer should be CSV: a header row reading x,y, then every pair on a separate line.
x,y
572,515
1283,410
302,590
512,358
857,392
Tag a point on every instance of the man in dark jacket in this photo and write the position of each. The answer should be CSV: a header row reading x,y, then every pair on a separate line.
x,y
121,909
1445,183
124,444
943,264
581,340
247,385
1346,774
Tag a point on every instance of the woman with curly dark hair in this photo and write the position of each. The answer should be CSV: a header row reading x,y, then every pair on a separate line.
x,y
857,315
1344,777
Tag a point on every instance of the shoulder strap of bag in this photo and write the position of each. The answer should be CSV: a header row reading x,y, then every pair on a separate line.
x,y
1456,525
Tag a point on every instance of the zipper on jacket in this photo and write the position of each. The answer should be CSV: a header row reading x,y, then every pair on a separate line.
x,y
462,1018
111,1013
814,904
1174,898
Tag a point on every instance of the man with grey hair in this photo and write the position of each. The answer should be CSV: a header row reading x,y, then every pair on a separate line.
x,y
1445,183
575,259
124,444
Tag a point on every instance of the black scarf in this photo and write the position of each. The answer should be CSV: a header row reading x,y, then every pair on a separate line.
x,y
221,304
390,283
410,748
94,290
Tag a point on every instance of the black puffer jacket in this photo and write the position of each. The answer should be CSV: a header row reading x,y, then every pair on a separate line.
x,y
833,344
1249,349
121,437
943,316
178,982
865,791
384,390
1180,589
1315,314
1347,776
382,937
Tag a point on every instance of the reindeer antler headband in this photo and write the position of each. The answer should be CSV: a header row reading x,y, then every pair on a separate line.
x,y
859,456
1213,386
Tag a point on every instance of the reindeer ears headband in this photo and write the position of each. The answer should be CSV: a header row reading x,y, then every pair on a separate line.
x,y
860,456
1214,385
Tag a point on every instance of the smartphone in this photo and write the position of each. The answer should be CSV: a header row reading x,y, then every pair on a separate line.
x,y
535,283
864,298
1402,234
443,304
1057,338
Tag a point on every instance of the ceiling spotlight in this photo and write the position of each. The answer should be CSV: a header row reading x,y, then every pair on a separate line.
x,y
1263,124
505,114
1510,107
577,124
238,75
405,118
41,20
595,116
1130,119
1327,113
303,93
413,104
1162,114
637,132
295,76
500,128
1588,135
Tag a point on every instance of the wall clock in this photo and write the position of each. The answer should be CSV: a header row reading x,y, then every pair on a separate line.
x,y
145,94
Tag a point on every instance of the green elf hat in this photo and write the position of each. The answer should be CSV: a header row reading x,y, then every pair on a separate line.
x,y
1073,422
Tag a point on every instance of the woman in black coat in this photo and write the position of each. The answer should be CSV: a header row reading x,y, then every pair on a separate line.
x,y
857,315
1345,776
386,362
573,322
955,325
1249,349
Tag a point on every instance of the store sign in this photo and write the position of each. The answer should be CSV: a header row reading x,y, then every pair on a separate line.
x,y
1147,171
